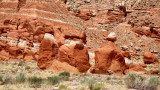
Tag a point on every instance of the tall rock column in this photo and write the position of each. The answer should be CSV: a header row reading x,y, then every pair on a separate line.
x,y
48,51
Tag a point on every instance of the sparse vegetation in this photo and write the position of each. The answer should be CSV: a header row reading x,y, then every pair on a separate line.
x,y
108,78
130,80
62,86
98,86
35,80
64,75
154,81
134,81
27,67
1,78
20,77
21,63
54,80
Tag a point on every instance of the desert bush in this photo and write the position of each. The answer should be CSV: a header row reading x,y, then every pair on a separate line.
x,y
27,67
98,86
64,75
62,86
108,78
8,79
90,83
54,80
159,71
130,80
35,80
139,82
1,77
154,81
20,77
21,63
152,84
134,81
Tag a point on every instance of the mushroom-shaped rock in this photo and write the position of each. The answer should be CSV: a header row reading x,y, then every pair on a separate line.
x,y
48,51
149,58
112,36
109,59
75,54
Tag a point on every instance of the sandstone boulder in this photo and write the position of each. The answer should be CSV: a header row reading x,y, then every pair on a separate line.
x,y
59,66
154,72
48,51
149,58
109,59
14,52
76,55
112,36
137,68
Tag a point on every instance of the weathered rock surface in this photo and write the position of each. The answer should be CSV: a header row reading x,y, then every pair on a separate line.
x,y
149,58
76,54
109,59
137,68
48,51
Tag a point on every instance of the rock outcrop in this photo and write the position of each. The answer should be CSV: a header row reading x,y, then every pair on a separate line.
x,y
76,54
109,59
137,68
48,51
149,58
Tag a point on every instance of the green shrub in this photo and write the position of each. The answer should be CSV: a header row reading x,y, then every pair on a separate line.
x,y
154,81
130,80
135,81
159,71
54,80
108,78
1,77
62,87
8,79
20,77
21,63
139,82
152,84
98,86
27,67
35,80
90,83
65,73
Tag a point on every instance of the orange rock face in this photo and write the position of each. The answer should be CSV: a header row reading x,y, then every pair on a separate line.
x,y
109,59
149,58
76,55
48,51
137,68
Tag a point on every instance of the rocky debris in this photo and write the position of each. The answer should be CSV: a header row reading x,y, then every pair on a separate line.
x,y
59,66
124,47
137,68
14,52
150,58
141,4
109,16
112,36
75,54
48,51
154,72
109,59
84,14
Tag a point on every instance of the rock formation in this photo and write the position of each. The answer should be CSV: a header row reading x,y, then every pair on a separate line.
x,y
109,59
149,58
76,54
